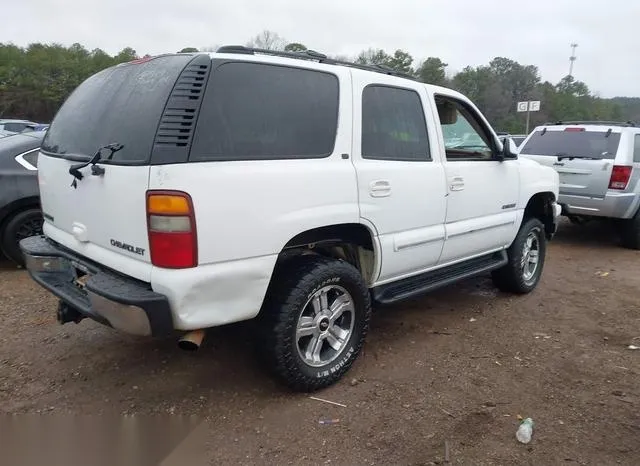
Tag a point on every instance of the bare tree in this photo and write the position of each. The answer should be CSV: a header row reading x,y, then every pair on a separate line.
x,y
267,40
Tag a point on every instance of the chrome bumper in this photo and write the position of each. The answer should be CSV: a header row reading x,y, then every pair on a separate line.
x,y
102,295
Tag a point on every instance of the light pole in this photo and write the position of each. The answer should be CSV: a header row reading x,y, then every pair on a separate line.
x,y
572,58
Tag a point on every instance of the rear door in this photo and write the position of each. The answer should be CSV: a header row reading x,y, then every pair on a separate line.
x,y
401,182
103,217
593,151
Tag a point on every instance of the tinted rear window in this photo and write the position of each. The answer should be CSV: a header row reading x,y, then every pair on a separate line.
x,y
594,144
256,111
122,104
32,157
393,124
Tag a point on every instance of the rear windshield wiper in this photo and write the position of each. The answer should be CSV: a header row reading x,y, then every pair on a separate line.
x,y
74,170
563,156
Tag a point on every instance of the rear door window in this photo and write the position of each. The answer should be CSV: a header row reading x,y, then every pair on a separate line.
x,y
122,104
254,111
573,143
393,125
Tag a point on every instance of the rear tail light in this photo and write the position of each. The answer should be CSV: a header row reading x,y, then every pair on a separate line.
x,y
172,230
619,177
574,130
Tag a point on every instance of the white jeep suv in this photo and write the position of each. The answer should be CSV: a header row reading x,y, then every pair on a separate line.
x,y
189,191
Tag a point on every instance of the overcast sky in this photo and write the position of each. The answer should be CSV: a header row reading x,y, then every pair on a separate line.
x,y
460,32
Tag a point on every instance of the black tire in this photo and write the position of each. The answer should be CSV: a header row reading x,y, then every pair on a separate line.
x,y
512,277
294,284
630,232
21,225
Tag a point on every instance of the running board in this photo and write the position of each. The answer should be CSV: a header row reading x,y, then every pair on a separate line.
x,y
429,281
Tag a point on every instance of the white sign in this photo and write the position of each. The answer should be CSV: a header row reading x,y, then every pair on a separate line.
x,y
534,106
522,106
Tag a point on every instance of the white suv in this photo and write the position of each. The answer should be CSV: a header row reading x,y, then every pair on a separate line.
x,y
189,191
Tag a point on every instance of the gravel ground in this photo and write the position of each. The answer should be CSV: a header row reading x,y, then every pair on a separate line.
x,y
456,367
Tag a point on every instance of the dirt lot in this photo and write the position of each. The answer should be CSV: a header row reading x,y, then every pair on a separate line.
x,y
458,366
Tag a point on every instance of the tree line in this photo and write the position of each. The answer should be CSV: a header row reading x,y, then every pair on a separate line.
x,y
35,80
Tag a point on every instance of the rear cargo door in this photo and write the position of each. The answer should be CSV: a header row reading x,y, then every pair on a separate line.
x,y
583,157
102,216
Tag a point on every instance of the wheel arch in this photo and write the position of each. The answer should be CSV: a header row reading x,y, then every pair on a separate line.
x,y
354,242
540,206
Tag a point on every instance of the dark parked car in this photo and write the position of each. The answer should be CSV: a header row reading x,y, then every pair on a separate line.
x,y
20,214
15,126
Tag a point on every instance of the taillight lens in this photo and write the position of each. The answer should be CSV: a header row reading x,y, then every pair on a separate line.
x,y
172,230
620,177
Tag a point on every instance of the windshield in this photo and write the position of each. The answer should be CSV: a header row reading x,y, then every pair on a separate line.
x,y
586,144
121,104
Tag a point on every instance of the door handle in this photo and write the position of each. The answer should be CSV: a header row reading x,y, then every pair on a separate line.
x,y
380,188
457,183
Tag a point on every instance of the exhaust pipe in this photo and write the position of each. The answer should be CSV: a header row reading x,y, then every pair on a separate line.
x,y
191,341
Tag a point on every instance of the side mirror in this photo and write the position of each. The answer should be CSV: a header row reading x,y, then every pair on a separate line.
x,y
509,149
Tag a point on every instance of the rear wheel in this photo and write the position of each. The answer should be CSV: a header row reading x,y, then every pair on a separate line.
x,y
314,321
526,257
630,232
21,225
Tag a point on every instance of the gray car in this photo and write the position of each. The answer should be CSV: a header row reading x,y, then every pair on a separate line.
x,y
15,126
20,214
599,167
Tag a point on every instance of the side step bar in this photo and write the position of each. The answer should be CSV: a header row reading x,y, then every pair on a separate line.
x,y
429,281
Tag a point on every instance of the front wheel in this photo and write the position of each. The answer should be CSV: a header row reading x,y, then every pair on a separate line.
x,y
526,257
314,321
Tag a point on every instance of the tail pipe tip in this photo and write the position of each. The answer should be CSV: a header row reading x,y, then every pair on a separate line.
x,y
191,341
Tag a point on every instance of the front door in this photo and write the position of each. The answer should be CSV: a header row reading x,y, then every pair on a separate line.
x,y
482,192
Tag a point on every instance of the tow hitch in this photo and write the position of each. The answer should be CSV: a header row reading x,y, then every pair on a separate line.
x,y
67,314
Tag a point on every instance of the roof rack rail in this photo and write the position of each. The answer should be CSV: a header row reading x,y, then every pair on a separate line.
x,y
594,122
312,55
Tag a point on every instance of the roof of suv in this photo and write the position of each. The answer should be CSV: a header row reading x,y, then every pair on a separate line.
x,y
595,125
315,60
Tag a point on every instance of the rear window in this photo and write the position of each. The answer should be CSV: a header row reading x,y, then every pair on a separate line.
x,y
255,111
32,157
122,104
590,144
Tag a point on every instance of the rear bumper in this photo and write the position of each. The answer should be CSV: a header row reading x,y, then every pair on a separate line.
x,y
613,205
102,295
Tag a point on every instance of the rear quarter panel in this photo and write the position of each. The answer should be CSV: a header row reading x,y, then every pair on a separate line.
x,y
245,213
18,187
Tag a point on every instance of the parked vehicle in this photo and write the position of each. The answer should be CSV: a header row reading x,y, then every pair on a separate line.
x,y
20,214
190,191
36,127
14,126
599,167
